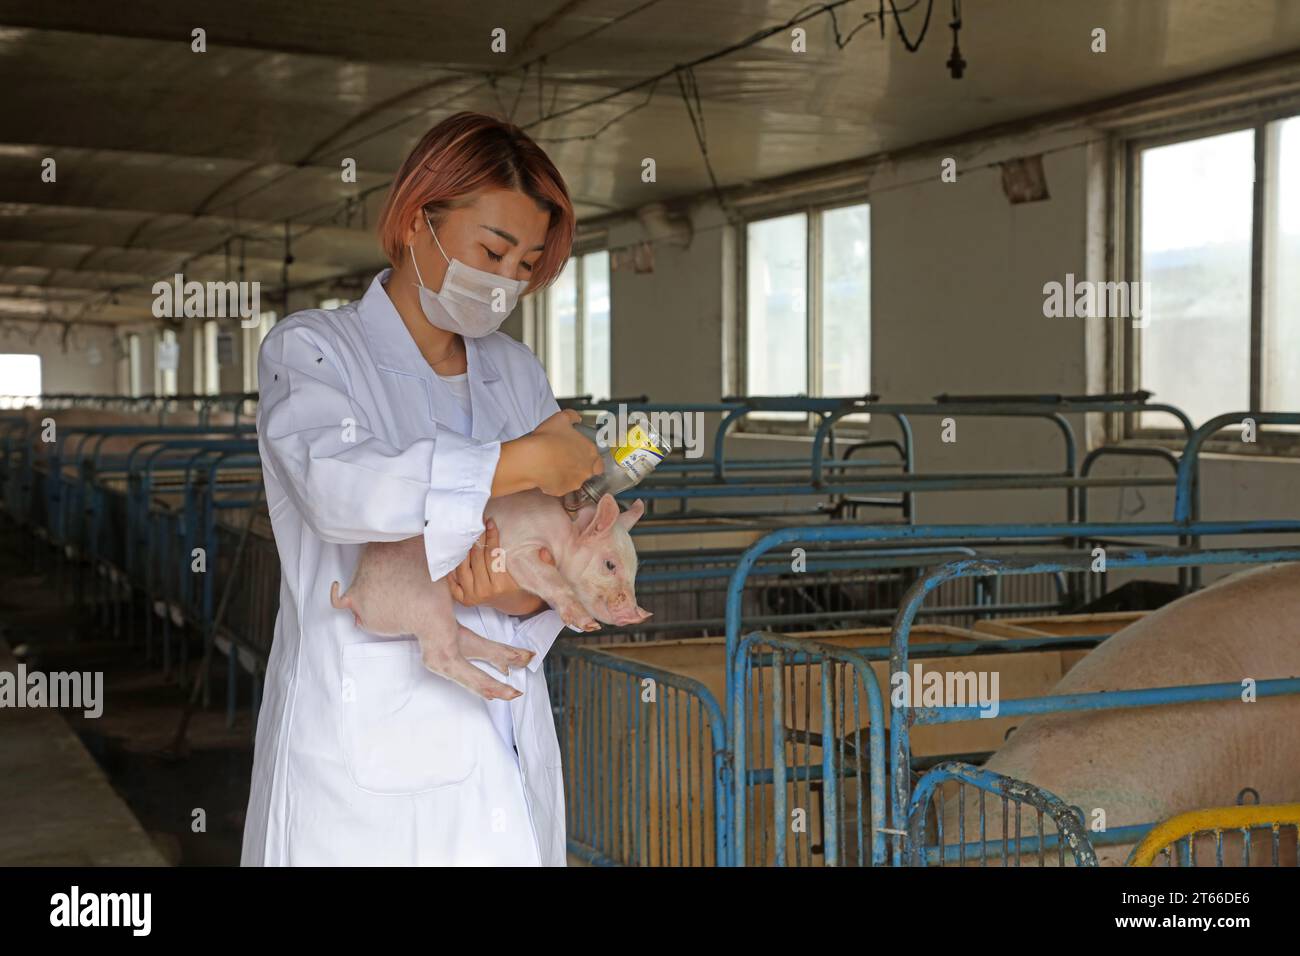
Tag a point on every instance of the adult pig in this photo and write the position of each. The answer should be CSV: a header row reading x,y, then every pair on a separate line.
x,y
1142,765
590,580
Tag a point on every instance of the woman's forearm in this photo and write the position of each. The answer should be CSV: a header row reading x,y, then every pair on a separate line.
x,y
519,604
515,468
554,457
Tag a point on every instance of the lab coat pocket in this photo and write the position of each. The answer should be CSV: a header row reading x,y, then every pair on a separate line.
x,y
405,730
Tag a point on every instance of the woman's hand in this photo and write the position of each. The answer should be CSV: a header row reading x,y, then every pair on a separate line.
x,y
555,458
474,581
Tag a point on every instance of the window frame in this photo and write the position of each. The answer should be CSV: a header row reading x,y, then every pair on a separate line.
x,y
855,426
539,336
1124,341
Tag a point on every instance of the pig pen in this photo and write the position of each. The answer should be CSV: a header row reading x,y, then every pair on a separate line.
x,y
642,729
683,578
644,791
1158,722
127,507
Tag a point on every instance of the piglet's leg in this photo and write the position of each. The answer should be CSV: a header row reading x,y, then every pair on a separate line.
x,y
536,576
441,639
440,650
501,656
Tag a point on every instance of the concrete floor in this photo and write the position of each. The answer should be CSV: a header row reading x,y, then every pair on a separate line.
x,y
107,790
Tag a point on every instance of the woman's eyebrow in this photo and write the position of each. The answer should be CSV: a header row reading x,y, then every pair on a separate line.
x,y
507,237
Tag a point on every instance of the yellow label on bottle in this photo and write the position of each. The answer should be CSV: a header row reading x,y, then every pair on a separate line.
x,y
639,453
636,439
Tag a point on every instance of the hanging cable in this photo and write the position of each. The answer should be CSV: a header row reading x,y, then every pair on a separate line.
x,y
690,91
911,46
649,97
331,209
284,269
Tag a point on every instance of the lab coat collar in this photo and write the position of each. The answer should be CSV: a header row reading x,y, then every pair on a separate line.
x,y
395,351
489,417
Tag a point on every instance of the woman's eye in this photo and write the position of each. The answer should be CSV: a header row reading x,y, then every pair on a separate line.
x,y
609,565
492,255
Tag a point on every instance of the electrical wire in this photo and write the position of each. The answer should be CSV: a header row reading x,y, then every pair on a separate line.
x,y
911,46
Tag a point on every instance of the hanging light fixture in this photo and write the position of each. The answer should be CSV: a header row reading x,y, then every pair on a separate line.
x,y
956,62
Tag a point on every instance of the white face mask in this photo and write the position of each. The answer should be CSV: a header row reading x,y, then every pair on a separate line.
x,y
465,304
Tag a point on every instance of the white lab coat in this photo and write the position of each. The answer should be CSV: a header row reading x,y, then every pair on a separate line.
x,y
362,755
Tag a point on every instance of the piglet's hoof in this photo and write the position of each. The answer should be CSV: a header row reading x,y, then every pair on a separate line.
x,y
451,663
575,615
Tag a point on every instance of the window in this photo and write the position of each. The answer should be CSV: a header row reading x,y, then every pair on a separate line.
x,y
807,312
845,327
576,339
198,337
253,337
1280,371
134,362
1214,219
21,375
211,380
776,306
166,362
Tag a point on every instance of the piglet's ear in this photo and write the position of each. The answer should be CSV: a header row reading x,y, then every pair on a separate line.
x,y
632,515
606,515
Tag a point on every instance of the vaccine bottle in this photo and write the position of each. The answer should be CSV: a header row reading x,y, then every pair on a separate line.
x,y
626,464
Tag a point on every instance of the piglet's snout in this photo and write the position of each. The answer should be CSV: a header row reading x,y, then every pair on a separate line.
x,y
624,610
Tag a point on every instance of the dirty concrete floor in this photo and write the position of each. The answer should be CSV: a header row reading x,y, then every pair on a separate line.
x,y
142,707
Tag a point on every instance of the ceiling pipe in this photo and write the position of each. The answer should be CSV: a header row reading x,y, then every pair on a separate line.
x,y
663,225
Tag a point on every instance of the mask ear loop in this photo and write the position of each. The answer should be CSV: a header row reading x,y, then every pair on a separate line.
x,y
435,237
410,246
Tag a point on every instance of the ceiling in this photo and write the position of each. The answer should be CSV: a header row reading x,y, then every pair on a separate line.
x,y
170,160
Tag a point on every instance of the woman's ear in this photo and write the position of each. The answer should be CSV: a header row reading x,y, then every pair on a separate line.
x,y
416,226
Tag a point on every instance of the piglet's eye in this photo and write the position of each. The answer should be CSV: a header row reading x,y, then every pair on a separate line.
x,y
609,565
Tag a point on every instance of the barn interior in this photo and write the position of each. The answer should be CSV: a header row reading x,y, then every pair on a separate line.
x,y
971,331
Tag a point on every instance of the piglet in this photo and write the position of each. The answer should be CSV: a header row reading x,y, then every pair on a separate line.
x,y
591,580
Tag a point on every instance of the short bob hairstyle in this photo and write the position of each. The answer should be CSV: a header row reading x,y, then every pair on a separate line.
x,y
463,154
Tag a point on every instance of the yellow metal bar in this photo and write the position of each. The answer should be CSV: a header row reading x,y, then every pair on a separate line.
x,y
1209,821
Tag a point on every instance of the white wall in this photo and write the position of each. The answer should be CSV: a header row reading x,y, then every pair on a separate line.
x,y
957,306
71,370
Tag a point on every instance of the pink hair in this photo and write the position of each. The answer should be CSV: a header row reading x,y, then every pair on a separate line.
x,y
467,152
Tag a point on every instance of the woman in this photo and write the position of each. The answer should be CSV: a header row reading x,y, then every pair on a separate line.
x,y
397,416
